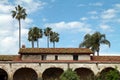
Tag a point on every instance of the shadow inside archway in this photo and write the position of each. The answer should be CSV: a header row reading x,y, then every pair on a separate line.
x,y
104,72
25,74
3,75
52,74
85,73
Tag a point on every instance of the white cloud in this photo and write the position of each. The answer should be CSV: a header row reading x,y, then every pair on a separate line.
x,y
118,20
28,20
44,19
81,5
5,18
84,18
109,53
5,9
109,14
31,5
96,4
8,45
94,17
9,36
105,50
9,29
117,5
74,26
93,12
106,27
3,1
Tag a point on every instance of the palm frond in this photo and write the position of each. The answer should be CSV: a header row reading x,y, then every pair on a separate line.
x,y
106,42
93,41
13,13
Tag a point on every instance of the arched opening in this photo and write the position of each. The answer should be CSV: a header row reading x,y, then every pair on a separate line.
x,y
3,75
25,74
84,73
104,72
52,74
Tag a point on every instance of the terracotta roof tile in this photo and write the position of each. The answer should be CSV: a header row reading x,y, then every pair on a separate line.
x,y
105,58
9,57
55,50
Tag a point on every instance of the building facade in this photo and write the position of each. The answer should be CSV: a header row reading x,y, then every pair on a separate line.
x,y
50,63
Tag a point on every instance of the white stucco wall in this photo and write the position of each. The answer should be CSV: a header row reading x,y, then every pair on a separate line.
x,y
39,68
52,57
84,57
65,57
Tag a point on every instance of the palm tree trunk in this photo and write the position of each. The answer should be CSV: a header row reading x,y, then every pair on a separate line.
x,y
32,43
48,41
37,43
53,44
19,33
97,53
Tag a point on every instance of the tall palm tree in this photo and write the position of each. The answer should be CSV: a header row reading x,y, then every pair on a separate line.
x,y
19,13
34,34
47,32
94,41
31,36
38,34
54,37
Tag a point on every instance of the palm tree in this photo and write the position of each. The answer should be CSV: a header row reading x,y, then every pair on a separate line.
x,y
93,41
38,34
34,34
87,41
31,36
54,37
19,13
47,32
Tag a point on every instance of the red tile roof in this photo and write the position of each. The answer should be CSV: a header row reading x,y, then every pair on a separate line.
x,y
9,57
105,58
55,51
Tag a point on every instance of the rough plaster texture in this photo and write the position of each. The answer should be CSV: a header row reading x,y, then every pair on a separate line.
x,y
52,57
39,68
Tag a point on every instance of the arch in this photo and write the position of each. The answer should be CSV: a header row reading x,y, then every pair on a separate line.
x,y
52,73
25,74
3,75
84,73
102,74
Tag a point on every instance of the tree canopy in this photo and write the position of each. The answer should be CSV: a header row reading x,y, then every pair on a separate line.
x,y
69,74
34,34
54,37
19,13
94,41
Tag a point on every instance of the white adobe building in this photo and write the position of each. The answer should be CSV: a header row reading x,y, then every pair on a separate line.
x,y
50,63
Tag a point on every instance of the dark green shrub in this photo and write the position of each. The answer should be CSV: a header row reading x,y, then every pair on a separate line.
x,y
69,75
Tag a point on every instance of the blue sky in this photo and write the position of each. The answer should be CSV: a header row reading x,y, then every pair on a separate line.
x,y
72,19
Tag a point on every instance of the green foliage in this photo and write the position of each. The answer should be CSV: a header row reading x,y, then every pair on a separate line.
x,y
94,41
113,75
19,13
47,32
110,75
54,37
34,34
69,75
